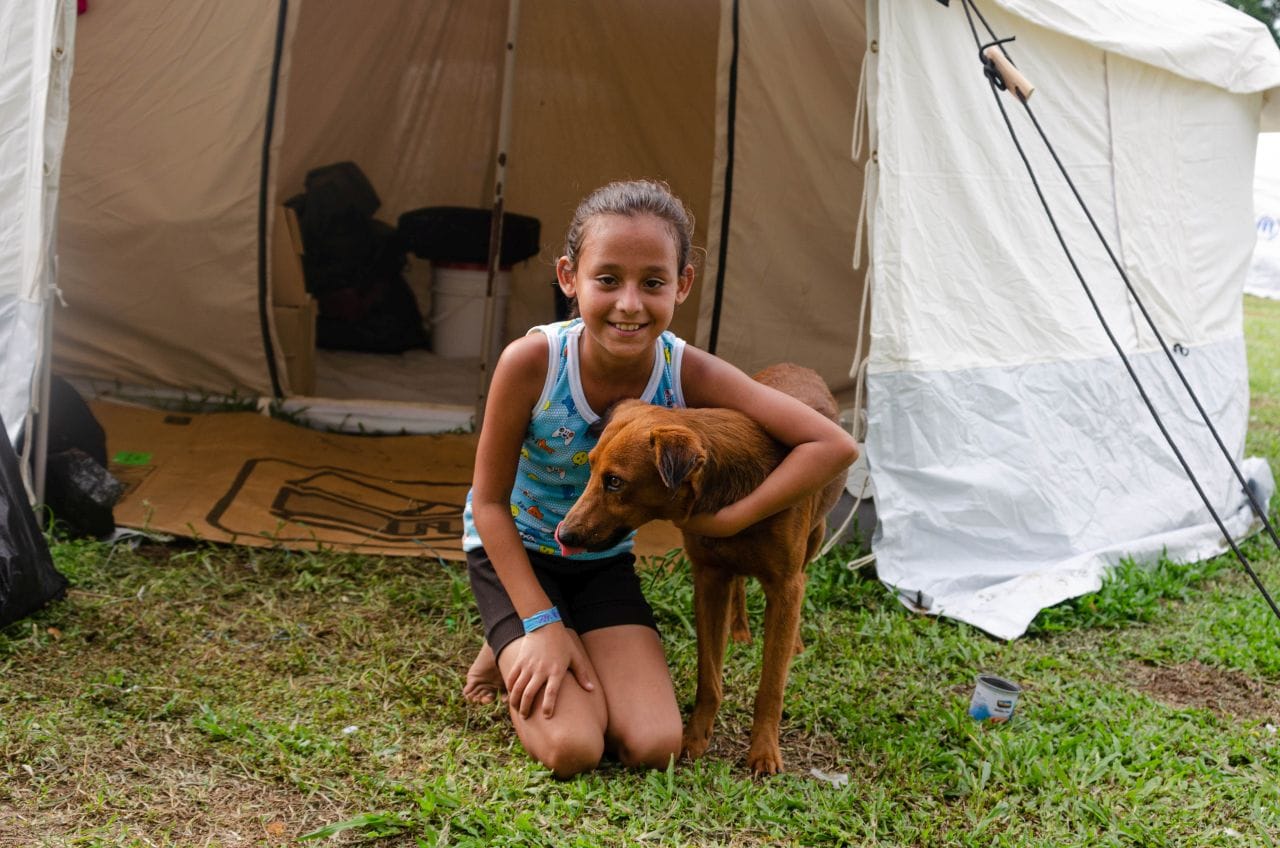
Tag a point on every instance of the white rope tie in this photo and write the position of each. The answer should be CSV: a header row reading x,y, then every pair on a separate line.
x,y
860,124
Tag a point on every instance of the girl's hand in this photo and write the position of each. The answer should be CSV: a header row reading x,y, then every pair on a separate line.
x,y
545,655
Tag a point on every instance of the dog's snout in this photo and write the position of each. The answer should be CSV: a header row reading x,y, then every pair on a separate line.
x,y
569,540
585,538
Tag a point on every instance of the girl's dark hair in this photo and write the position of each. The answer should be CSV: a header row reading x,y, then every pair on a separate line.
x,y
631,198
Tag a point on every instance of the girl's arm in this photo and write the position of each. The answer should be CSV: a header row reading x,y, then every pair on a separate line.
x,y
544,656
820,448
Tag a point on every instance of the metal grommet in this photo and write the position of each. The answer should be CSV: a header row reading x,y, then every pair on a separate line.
x,y
874,46
875,156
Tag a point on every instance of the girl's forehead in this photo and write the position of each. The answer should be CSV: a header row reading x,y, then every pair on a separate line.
x,y
611,233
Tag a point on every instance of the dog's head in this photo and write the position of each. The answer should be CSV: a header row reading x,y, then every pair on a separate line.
x,y
647,465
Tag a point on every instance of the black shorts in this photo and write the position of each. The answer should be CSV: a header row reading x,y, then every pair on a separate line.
x,y
590,594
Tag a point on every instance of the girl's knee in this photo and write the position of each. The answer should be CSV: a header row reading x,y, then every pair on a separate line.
x,y
568,752
653,749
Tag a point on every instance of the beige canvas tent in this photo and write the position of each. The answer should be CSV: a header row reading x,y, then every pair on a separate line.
x,y
1011,461
192,123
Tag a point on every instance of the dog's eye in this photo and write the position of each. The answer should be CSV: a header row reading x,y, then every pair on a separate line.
x,y
612,482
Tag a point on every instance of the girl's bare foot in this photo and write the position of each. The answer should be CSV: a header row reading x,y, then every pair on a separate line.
x,y
484,681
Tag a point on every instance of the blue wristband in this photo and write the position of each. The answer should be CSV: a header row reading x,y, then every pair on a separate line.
x,y
541,619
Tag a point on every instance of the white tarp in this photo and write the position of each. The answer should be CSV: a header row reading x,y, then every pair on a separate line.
x,y
35,68
1264,272
1012,458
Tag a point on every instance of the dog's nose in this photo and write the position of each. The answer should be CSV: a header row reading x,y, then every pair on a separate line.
x,y
570,543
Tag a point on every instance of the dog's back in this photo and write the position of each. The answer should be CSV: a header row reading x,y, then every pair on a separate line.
x,y
802,524
803,384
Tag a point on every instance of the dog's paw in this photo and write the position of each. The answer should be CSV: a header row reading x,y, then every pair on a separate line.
x,y
764,758
693,744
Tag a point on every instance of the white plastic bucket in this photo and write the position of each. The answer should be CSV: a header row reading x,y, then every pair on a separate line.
x,y
457,310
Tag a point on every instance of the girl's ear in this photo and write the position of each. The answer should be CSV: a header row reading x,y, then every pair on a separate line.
x,y
685,284
565,277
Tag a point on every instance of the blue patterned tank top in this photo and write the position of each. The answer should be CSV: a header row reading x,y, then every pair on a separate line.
x,y
553,467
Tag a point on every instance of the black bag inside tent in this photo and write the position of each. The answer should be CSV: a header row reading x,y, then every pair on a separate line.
x,y
28,579
354,265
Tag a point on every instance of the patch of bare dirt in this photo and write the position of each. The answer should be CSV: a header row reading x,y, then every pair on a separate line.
x,y
801,751
171,803
1194,684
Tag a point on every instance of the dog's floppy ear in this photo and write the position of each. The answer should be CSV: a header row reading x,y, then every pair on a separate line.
x,y
678,453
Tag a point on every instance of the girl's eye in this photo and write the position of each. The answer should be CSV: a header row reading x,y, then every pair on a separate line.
x,y
654,283
612,482
607,280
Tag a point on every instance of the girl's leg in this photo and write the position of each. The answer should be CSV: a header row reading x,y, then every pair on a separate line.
x,y
484,681
643,717
572,740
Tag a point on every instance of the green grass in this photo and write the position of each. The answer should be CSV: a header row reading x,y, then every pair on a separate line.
x,y
198,696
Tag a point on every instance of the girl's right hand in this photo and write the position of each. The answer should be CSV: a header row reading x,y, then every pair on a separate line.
x,y
543,658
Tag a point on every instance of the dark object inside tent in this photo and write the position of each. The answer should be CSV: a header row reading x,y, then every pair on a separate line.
x,y
80,493
354,265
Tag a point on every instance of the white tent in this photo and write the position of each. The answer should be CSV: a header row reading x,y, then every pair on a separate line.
x,y
1013,459
1264,272
1008,463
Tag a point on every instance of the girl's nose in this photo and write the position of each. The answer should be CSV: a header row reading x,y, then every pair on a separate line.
x,y
629,298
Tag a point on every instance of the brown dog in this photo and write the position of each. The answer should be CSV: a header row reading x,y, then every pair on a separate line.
x,y
653,463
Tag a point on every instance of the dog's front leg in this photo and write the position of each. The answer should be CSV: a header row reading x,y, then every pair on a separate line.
x,y
783,599
711,592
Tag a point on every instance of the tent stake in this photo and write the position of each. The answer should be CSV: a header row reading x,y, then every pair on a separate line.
x,y
499,202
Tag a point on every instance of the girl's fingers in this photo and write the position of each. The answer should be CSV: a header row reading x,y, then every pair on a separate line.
x,y
549,695
579,668
514,693
532,687
518,688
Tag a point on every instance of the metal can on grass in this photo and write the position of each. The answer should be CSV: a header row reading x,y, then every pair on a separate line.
x,y
994,698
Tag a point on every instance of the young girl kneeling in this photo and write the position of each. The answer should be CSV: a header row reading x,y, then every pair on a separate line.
x,y
575,641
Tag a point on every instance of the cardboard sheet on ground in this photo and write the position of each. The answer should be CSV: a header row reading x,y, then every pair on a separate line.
x,y
243,478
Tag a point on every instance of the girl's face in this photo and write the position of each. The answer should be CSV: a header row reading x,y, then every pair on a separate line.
x,y
627,284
